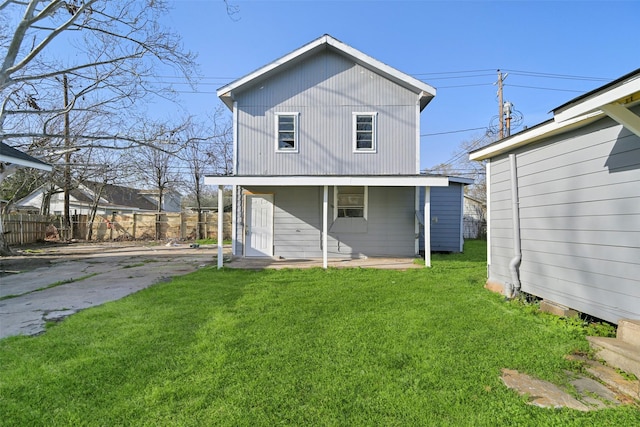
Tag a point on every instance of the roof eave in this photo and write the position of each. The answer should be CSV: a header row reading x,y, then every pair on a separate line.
x,y
531,135
26,163
624,91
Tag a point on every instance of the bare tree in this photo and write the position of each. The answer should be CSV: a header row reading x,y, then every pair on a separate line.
x,y
460,165
208,150
96,57
116,46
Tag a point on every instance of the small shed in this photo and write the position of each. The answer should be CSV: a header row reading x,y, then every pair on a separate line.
x,y
447,216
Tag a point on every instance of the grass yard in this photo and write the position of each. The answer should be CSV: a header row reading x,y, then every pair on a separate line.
x,y
297,347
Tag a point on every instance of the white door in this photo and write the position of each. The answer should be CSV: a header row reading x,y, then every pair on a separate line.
x,y
259,225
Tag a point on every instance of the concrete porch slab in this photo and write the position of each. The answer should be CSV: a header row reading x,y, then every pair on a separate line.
x,y
388,263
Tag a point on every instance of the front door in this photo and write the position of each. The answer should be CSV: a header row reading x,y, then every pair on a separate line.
x,y
259,225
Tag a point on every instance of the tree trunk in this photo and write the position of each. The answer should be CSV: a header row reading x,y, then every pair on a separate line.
x,y
199,225
5,250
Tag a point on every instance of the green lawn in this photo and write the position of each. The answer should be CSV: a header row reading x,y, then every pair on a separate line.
x,y
297,347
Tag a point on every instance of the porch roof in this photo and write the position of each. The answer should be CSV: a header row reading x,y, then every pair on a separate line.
x,y
331,180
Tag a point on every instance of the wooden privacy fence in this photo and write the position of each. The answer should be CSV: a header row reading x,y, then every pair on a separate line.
x,y
152,226
23,229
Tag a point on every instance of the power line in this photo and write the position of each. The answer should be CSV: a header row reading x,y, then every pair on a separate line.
x,y
454,72
470,85
452,131
557,76
546,88
458,77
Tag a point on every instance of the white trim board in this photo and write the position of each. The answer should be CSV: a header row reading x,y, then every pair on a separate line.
x,y
299,181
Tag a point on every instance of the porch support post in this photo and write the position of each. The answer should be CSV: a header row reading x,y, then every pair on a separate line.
x,y
234,213
220,225
416,221
325,213
427,226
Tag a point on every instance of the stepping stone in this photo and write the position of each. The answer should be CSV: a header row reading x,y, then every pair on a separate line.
x,y
541,393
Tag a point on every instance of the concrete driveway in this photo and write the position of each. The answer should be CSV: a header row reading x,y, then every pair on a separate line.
x,y
51,283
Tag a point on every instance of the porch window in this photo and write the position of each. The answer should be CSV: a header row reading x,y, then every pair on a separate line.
x,y
287,132
364,132
351,202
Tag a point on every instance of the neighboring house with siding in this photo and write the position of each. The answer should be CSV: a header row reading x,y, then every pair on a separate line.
x,y
110,199
474,221
327,157
563,203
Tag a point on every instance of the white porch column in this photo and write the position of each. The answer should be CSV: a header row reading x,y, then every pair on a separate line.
x,y
427,226
325,213
220,225
416,222
234,212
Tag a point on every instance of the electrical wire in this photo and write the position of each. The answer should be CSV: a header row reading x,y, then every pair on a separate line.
x,y
546,88
452,131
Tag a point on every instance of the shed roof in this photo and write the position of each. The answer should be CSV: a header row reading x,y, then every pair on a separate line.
x,y
613,99
327,42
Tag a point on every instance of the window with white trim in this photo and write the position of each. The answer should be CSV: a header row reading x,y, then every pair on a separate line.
x,y
364,132
287,132
350,202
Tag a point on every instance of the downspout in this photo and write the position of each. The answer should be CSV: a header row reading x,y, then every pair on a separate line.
x,y
513,289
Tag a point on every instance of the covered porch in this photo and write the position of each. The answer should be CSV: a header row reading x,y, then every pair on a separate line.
x,y
325,221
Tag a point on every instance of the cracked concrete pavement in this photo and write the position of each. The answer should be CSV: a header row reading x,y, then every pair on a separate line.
x,y
51,283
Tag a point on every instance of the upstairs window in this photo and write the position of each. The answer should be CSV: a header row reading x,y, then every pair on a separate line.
x,y
364,132
351,202
287,132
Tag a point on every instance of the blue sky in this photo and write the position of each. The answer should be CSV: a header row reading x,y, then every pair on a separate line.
x,y
455,46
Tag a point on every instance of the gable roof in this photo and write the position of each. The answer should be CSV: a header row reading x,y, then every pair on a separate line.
x,y
326,42
12,156
116,195
613,99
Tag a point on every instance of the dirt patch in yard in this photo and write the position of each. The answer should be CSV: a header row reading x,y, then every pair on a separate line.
x,y
29,257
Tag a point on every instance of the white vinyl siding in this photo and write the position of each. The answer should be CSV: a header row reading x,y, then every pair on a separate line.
x,y
325,90
298,224
579,205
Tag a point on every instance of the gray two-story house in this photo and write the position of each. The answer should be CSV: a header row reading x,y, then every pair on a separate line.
x,y
327,157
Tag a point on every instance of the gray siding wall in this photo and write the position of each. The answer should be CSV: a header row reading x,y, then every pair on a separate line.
x,y
446,218
389,229
580,220
325,90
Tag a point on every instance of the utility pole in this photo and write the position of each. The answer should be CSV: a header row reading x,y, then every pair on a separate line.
x,y
67,160
500,105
